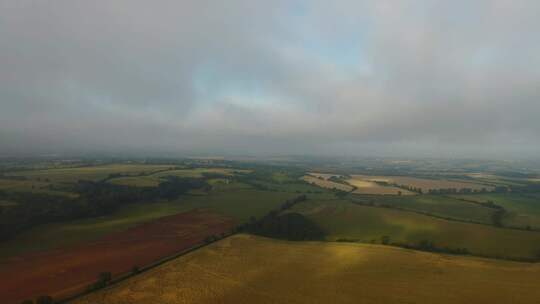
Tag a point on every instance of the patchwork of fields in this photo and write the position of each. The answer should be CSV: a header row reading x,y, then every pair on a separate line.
x,y
523,209
321,182
371,187
245,269
93,173
69,254
67,270
342,219
422,183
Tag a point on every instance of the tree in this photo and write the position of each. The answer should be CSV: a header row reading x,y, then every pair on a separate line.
x,y
135,270
44,300
105,277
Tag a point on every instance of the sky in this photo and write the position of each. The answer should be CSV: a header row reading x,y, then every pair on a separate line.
x,y
344,77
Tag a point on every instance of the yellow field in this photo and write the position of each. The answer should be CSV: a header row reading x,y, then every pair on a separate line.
x,y
422,183
323,183
248,269
370,187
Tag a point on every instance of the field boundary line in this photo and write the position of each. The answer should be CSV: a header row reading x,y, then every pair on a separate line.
x,y
127,275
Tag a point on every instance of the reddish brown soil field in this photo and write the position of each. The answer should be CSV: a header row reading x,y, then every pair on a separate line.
x,y
63,272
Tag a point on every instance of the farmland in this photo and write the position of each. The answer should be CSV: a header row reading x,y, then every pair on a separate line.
x,y
345,220
93,173
71,269
422,183
133,214
434,205
237,204
55,235
32,186
323,183
523,209
371,187
244,269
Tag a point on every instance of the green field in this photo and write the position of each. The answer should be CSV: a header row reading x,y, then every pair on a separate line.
x,y
137,181
7,203
66,233
232,200
345,220
437,205
32,186
199,172
93,173
153,180
239,204
523,208
248,269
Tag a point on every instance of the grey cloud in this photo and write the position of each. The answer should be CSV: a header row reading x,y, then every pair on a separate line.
x,y
424,77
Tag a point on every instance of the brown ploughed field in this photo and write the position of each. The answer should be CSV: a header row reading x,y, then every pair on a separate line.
x,y
66,271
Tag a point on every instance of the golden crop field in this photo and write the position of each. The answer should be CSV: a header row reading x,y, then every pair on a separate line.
x,y
422,183
249,269
323,183
371,187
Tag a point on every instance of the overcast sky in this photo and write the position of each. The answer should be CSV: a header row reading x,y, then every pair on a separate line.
x,y
381,77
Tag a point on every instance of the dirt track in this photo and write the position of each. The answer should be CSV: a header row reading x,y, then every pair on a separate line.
x,y
65,271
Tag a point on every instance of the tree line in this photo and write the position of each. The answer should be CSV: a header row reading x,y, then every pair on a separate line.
x,y
94,199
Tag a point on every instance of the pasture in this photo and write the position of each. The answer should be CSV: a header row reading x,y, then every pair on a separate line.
x,y
523,208
153,180
229,200
32,186
249,269
62,272
371,187
323,183
423,183
345,220
199,172
93,173
67,233
436,205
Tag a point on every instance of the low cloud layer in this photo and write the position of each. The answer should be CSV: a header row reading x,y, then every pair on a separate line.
x,y
411,77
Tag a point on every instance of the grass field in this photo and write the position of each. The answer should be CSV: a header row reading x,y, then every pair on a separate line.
x,y
67,233
93,173
32,186
7,203
422,183
345,220
323,183
137,181
523,208
437,205
239,204
229,200
371,187
199,172
63,272
248,269
499,180
153,180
